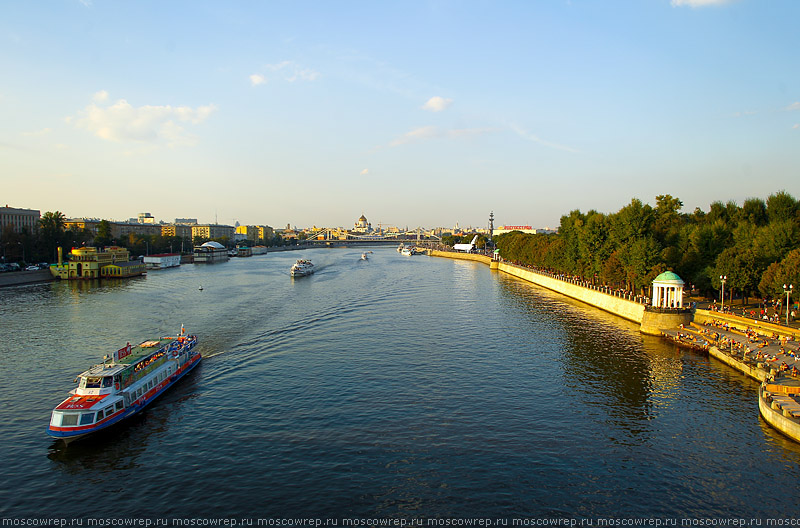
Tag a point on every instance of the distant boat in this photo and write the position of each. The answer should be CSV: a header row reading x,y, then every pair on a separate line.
x,y
363,256
302,268
200,288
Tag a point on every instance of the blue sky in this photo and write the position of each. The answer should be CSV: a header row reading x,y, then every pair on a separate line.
x,y
412,113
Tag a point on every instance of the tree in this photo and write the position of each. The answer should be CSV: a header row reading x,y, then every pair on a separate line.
x,y
742,267
781,206
635,220
103,236
51,229
787,271
754,211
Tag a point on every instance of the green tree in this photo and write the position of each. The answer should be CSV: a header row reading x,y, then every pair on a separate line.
x,y
787,271
103,236
51,230
754,211
781,206
743,269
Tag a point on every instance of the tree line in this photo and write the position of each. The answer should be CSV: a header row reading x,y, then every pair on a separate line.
x,y
756,246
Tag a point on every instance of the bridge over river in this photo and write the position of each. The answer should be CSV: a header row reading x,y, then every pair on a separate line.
x,y
329,238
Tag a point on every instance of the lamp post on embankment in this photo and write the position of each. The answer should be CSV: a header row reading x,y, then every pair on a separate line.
x,y
787,291
722,279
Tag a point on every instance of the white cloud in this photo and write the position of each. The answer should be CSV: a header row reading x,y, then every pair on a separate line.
x,y
698,3
437,104
365,172
38,133
124,122
536,139
100,97
793,106
287,70
432,132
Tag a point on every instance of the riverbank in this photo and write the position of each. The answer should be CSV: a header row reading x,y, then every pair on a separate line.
x,y
19,278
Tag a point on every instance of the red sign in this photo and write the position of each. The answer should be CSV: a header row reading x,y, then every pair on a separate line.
x,y
512,228
124,351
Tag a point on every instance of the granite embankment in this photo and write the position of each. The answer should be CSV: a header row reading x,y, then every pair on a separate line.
x,y
651,321
17,278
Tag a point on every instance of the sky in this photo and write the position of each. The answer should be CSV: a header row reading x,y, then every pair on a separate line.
x,y
413,113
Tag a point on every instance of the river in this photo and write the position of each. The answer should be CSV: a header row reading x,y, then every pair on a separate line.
x,y
397,387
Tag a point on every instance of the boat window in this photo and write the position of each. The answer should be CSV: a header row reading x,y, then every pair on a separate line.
x,y
87,418
107,382
109,411
69,419
93,383
118,406
83,383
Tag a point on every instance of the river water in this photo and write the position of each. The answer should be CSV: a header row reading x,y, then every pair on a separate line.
x,y
398,387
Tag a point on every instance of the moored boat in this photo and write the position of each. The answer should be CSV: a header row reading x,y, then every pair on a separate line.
x,y
124,384
301,268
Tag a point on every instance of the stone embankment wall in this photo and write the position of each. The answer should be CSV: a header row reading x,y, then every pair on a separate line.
x,y
626,308
460,256
16,278
650,321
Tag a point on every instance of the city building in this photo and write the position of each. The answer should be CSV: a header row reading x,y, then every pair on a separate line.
x,y
210,231
119,230
362,226
525,229
251,233
18,219
265,233
176,230
144,218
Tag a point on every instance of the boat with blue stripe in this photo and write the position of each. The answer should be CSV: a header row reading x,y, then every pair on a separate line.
x,y
124,384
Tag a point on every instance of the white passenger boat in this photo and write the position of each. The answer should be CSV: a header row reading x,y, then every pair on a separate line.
x,y
301,268
124,384
363,256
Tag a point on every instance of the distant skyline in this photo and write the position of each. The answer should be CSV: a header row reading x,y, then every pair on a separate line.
x,y
418,113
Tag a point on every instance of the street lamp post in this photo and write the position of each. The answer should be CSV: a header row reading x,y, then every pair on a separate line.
x,y
723,278
787,291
